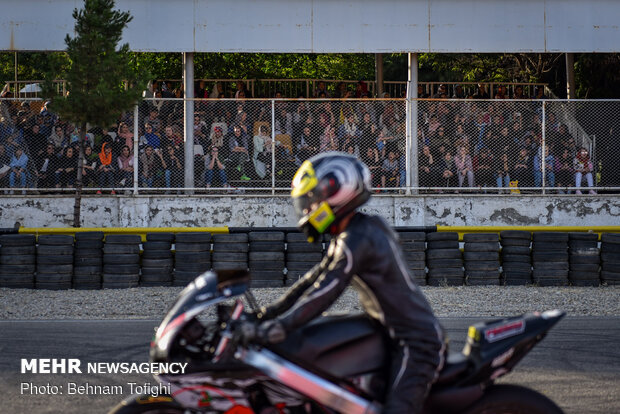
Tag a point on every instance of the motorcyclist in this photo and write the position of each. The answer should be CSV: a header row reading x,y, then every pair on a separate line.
x,y
327,191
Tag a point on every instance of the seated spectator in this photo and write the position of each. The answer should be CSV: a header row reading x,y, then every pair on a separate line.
x,y
173,168
328,140
171,138
19,168
583,168
150,138
238,148
36,141
212,162
464,167
66,171
389,171
217,138
89,166
502,171
564,173
5,167
428,168
106,168
519,92
125,167
458,92
125,135
481,92
149,167
521,169
372,161
58,138
483,168
154,121
549,168
306,146
448,169
262,156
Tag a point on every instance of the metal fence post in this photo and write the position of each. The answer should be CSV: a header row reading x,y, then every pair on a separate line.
x,y
188,113
543,161
411,146
136,156
273,146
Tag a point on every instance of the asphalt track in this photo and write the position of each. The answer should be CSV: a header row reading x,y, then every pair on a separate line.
x,y
577,365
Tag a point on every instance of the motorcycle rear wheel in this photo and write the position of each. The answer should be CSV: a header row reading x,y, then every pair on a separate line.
x,y
513,399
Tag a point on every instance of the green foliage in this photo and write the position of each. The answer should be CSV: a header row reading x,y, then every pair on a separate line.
x,y
95,70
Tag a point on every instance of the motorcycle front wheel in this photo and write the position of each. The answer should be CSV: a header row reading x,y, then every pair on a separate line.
x,y
513,399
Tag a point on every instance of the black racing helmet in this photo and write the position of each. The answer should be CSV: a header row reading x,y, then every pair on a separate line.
x,y
326,188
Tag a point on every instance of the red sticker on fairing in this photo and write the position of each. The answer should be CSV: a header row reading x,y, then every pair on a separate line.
x,y
504,331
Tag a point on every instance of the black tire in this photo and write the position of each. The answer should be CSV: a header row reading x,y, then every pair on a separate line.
x,y
14,240
549,274
163,237
89,235
62,250
123,239
549,247
444,263
197,267
554,237
18,259
267,275
121,269
11,269
517,266
442,244
487,265
432,254
414,256
55,240
188,257
610,248
261,284
610,274
585,252
53,277
445,281
612,238
266,236
156,245
583,236
258,266
157,254
481,247
550,265
476,256
481,238
157,272
474,281
515,234
446,272
304,257
584,282
112,249
515,282
59,268
538,256
608,257
229,266
416,264
229,238
266,246
229,257
114,259
299,237
482,274
520,258
231,247
513,399
87,270
303,247
89,244
411,236
516,274
582,244
266,256
516,250
413,246
185,276
192,247
586,268
443,236
583,259
157,263
87,261
53,260
303,266
515,242
194,237
18,250
109,279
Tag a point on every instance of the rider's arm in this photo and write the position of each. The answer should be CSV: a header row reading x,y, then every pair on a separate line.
x,y
287,300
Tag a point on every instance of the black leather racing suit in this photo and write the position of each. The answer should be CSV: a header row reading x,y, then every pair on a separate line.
x,y
367,254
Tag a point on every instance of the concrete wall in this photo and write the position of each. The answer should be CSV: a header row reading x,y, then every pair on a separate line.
x,y
267,211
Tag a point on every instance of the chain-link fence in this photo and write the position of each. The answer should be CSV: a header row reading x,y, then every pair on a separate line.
x,y
251,145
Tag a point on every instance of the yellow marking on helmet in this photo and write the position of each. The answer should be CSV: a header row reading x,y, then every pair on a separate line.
x,y
473,333
304,179
322,217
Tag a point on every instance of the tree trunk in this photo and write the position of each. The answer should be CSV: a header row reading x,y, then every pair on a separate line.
x,y
77,207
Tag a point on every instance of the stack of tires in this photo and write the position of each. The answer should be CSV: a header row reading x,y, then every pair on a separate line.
x,y
17,260
584,259
267,258
413,245
121,261
481,254
516,257
230,251
301,256
610,258
88,260
157,260
550,258
443,258
54,261
192,256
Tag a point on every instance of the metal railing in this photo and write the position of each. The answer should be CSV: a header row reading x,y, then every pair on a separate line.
x,y
255,146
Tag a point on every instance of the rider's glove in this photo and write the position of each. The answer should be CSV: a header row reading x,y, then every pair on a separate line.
x,y
271,332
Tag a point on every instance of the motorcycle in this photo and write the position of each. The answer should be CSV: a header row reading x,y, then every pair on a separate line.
x,y
335,364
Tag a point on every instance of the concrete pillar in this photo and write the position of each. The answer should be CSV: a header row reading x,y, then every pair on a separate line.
x,y
379,74
188,86
570,76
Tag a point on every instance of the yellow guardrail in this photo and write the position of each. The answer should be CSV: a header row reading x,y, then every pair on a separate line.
x,y
496,229
142,231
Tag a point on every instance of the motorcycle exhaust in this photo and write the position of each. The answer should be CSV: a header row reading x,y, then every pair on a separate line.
x,y
307,383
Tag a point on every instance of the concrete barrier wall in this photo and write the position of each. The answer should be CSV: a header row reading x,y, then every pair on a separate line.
x,y
269,211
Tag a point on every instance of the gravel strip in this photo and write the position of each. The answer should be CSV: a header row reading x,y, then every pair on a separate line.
x,y
150,303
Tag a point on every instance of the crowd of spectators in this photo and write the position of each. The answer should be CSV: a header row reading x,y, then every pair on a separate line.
x,y
466,144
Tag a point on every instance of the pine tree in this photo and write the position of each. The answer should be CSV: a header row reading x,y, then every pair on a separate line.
x,y
101,80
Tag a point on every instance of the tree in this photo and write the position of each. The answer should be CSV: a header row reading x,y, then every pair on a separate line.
x,y
101,80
